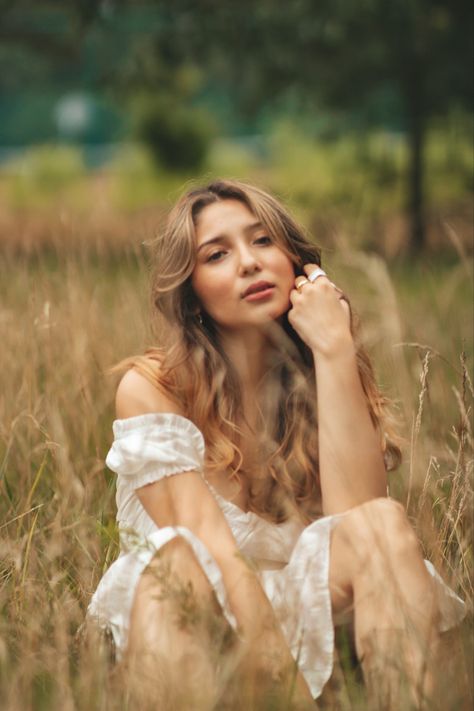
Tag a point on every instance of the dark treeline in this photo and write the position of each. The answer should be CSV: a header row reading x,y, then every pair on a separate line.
x,y
158,66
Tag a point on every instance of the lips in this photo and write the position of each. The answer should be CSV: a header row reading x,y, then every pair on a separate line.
x,y
256,287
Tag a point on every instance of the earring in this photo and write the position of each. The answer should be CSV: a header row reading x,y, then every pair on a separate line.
x,y
199,318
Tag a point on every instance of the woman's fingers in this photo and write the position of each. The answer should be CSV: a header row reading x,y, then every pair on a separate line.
x,y
300,281
310,269
320,313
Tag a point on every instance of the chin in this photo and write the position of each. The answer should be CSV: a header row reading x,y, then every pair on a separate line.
x,y
277,313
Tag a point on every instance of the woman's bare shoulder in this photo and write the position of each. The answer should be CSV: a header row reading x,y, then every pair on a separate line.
x,y
137,395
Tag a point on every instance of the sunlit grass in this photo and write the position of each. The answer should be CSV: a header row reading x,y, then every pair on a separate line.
x,y
74,301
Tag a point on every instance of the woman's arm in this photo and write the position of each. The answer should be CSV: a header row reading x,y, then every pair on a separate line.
x,y
351,462
185,500
351,465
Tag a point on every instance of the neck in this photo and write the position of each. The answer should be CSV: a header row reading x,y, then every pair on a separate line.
x,y
247,351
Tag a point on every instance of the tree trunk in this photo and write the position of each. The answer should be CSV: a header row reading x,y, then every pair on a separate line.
x,y
416,196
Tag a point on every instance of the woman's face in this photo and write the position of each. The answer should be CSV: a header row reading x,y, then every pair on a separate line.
x,y
241,278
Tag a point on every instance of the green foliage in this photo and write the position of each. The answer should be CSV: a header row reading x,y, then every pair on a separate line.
x,y
354,179
450,160
42,174
233,158
134,177
341,176
177,136
360,175
137,182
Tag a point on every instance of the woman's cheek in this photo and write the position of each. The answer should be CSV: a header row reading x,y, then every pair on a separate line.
x,y
215,294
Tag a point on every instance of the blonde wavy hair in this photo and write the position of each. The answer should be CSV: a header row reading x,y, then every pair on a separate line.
x,y
192,369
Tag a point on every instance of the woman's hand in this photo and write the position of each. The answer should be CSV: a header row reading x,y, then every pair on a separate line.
x,y
320,315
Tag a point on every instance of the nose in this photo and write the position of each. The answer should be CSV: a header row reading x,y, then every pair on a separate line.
x,y
249,262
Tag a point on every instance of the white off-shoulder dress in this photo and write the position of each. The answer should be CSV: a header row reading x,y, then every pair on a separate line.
x,y
292,560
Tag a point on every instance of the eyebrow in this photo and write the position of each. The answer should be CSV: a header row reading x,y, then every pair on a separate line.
x,y
218,238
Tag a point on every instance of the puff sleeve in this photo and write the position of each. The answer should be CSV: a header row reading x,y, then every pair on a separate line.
x,y
149,447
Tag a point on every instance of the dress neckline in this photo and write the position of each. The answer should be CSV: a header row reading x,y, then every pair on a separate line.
x,y
123,426
247,515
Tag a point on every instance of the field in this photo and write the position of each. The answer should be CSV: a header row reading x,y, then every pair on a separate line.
x,y
74,301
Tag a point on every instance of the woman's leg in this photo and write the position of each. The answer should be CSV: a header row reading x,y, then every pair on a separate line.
x,y
377,569
182,652
176,632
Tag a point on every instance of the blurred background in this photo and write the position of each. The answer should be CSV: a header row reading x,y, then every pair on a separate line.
x,y
359,115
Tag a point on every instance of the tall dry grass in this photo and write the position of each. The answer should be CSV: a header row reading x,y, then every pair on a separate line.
x,y
73,304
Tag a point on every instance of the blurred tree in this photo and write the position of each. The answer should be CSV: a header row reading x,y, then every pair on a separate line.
x,y
344,54
159,87
177,137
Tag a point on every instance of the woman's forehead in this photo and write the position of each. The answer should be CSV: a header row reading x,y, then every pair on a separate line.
x,y
221,217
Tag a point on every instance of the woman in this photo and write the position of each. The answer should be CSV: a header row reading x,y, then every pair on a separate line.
x,y
252,452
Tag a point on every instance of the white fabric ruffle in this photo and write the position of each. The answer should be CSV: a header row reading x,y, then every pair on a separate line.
x,y
147,448
112,602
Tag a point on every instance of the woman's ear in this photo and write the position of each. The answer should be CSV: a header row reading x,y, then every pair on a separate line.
x,y
193,305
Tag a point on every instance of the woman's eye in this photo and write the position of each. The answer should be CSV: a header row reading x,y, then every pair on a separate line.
x,y
214,256
263,240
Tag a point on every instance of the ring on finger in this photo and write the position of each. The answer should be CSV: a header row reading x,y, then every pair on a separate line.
x,y
301,283
318,272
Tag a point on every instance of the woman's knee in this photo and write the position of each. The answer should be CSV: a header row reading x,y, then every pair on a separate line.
x,y
176,549
172,597
381,524
176,564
